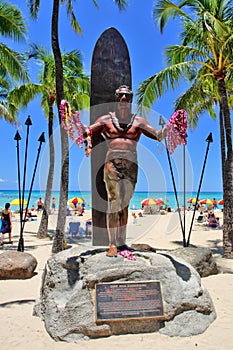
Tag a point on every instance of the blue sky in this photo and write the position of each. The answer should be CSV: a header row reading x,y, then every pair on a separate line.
x,y
146,46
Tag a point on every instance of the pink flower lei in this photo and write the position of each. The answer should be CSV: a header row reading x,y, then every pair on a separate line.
x,y
177,127
72,124
127,254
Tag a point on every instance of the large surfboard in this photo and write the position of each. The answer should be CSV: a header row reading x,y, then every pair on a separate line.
x,y
110,68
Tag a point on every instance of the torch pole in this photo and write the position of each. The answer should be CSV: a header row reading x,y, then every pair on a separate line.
x,y
162,123
21,240
208,140
41,140
17,138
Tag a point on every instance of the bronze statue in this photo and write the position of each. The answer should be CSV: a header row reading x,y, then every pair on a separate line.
x,y
121,130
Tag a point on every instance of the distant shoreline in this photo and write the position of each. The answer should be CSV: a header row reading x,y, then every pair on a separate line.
x,y
82,191
135,203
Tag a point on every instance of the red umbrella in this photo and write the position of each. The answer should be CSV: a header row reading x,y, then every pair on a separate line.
x,y
221,202
159,202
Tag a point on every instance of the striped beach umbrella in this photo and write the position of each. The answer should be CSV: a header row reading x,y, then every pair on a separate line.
x,y
192,200
206,201
148,202
221,202
159,202
76,200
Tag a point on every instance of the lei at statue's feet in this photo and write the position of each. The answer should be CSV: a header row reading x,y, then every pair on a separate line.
x,y
112,252
124,247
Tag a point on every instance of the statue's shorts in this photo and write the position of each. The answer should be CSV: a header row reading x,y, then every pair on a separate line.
x,y
120,175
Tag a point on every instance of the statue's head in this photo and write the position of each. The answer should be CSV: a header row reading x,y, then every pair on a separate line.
x,y
124,94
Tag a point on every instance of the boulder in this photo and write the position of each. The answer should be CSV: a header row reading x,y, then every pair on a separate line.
x,y
200,258
17,265
67,300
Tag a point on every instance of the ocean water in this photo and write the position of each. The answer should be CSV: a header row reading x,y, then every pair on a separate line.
x,y
168,197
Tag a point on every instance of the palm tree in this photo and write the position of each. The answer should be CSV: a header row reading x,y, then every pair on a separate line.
x,y
12,63
204,58
76,84
58,243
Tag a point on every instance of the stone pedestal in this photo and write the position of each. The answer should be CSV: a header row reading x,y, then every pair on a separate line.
x,y
67,305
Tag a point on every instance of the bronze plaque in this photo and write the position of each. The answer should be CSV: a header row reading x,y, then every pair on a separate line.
x,y
128,300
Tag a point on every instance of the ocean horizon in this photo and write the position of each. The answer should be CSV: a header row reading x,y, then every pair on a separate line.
x,y
6,196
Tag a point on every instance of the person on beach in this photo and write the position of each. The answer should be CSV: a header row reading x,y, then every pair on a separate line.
x,y
134,218
6,223
53,204
215,204
121,130
30,216
212,221
83,205
40,204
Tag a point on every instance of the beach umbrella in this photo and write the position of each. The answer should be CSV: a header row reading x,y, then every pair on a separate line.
x,y
76,200
192,200
221,202
148,202
206,201
159,202
17,201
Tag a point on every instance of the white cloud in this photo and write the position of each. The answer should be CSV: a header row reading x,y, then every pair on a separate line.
x,y
2,180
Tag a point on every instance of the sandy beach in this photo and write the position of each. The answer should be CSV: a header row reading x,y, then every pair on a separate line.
x,y
21,330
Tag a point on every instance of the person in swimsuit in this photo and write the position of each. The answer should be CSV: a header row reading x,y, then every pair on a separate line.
x,y
6,223
121,130
40,204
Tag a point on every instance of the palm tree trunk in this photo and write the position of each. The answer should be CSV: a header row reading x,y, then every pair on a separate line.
x,y
228,208
58,242
228,175
43,228
226,114
222,141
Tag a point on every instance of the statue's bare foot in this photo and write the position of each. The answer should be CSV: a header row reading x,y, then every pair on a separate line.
x,y
112,251
124,247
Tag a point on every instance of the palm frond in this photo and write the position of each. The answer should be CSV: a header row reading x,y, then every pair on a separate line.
x,y
76,83
74,23
153,87
44,104
13,63
12,23
24,93
95,3
8,112
34,7
201,97
4,83
36,51
163,10
79,101
122,4
180,53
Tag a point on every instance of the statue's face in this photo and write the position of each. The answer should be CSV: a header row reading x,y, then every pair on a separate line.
x,y
124,95
124,99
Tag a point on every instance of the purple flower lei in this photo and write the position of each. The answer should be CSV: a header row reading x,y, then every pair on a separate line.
x,y
72,124
177,127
